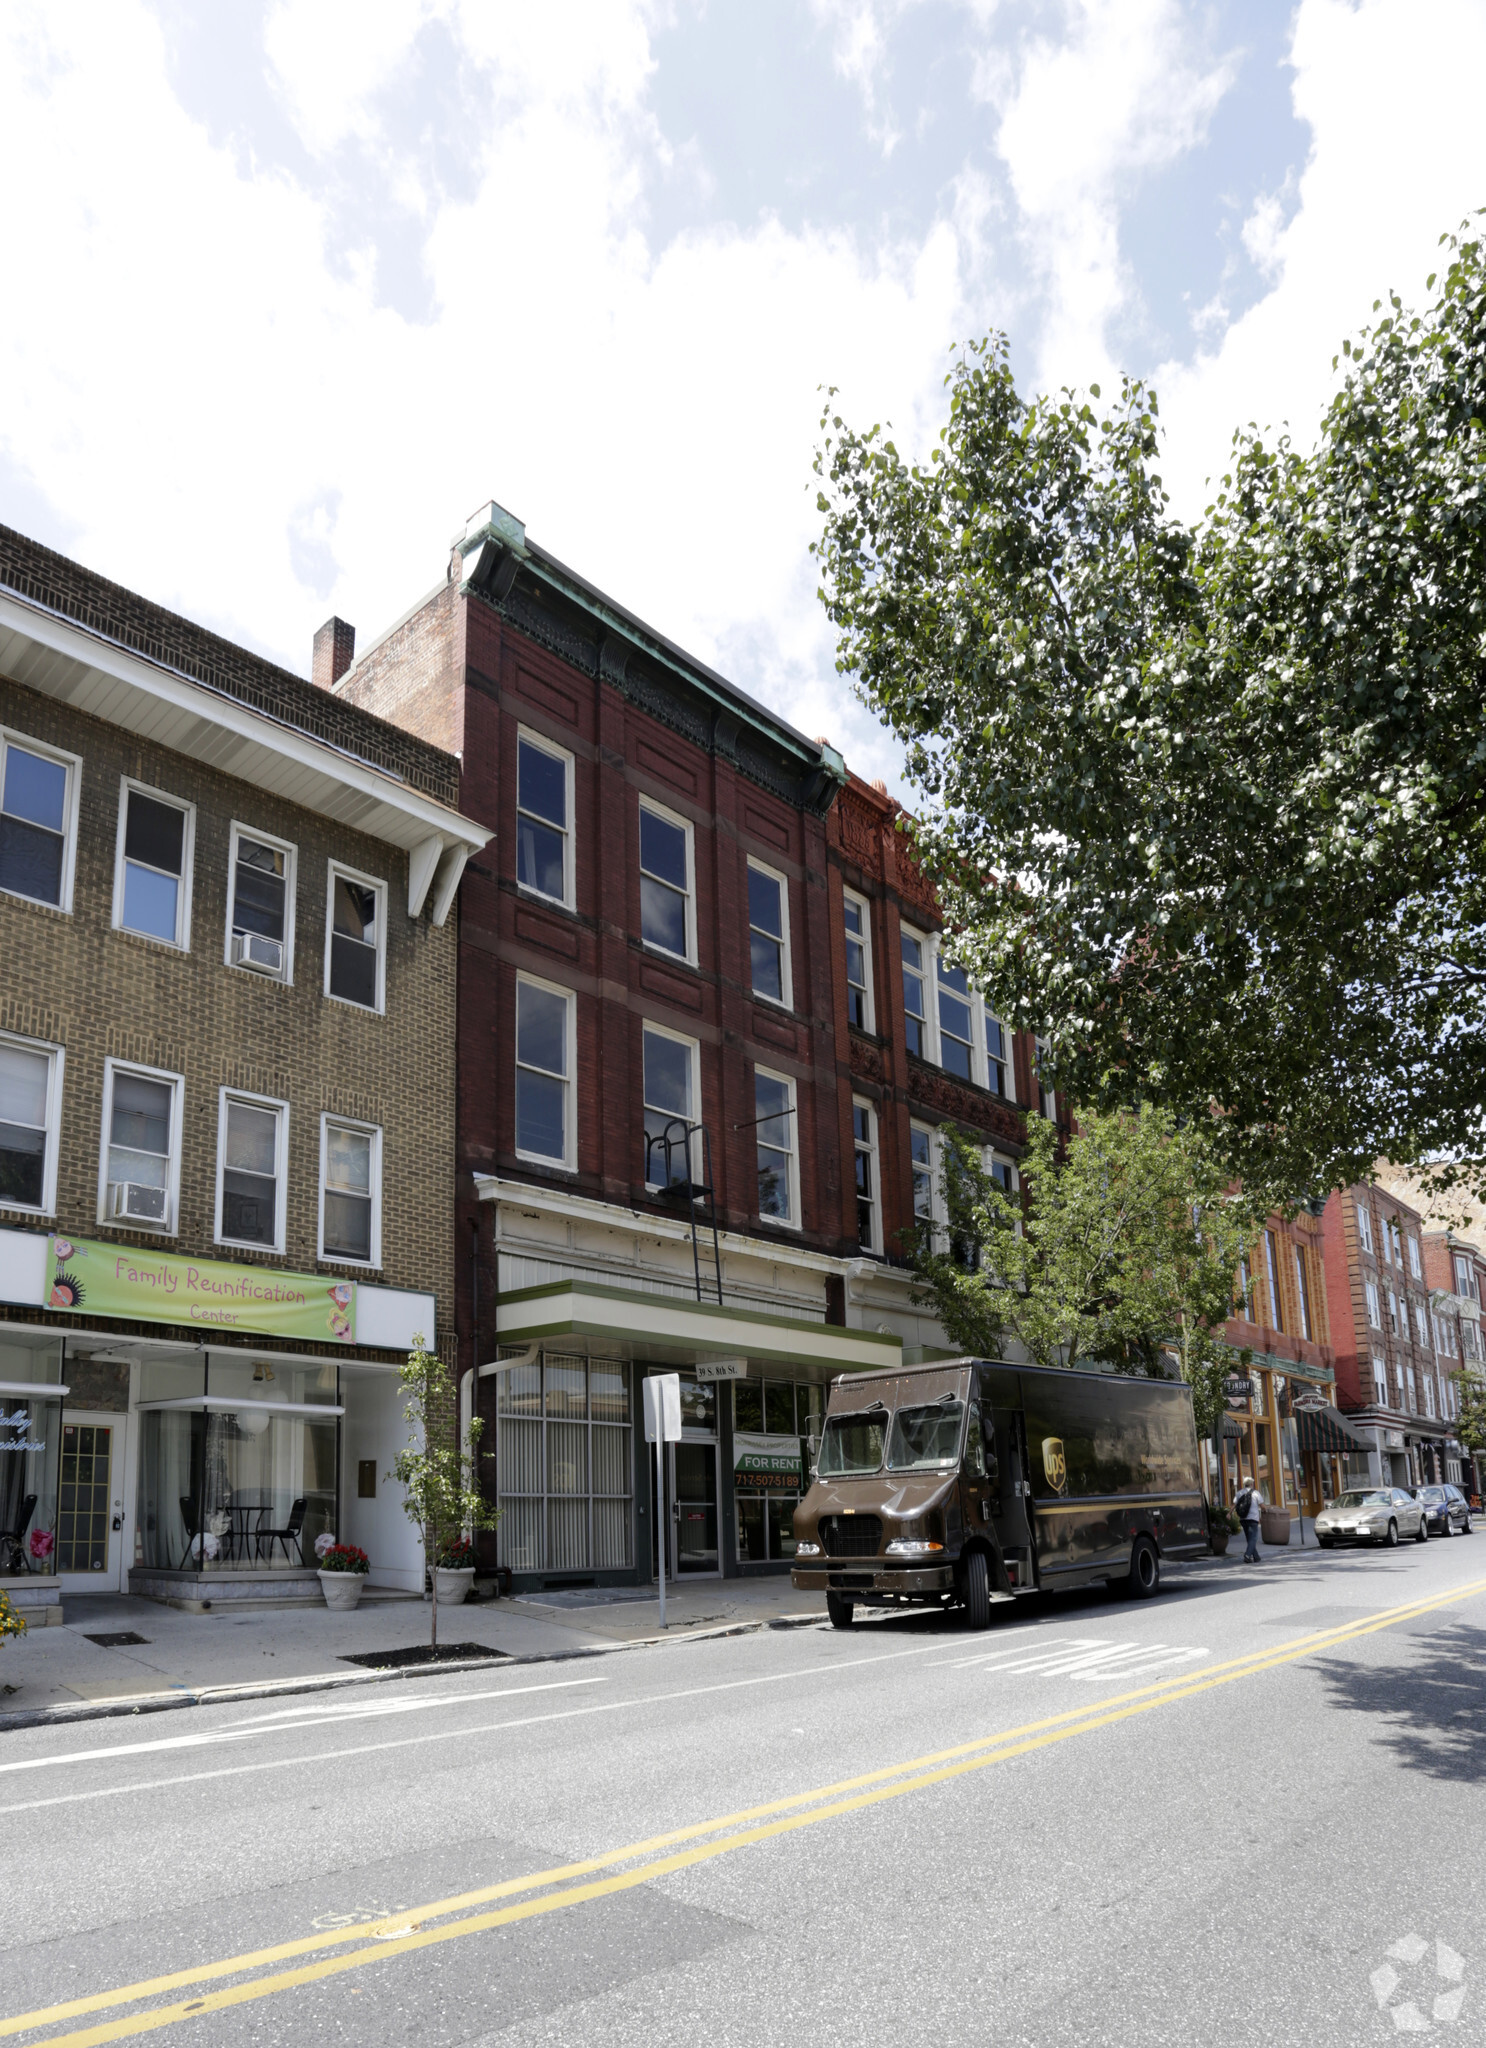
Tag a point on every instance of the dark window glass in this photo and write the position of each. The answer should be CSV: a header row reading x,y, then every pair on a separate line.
x,y
541,1071
33,810
663,883
913,995
748,1405
779,1407
775,1144
856,965
353,943
259,890
154,833
667,1084
954,1021
154,858
766,934
249,1174
348,1192
23,1091
541,824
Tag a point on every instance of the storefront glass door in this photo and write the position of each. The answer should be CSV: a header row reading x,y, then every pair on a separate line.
x,y
90,1503
694,1552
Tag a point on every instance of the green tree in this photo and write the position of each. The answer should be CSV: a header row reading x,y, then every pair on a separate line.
x,y
1206,805
1470,1425
1122,1251
441,1494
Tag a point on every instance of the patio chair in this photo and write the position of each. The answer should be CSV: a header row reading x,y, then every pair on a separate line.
x,y
12,1546
287,1535
191,1516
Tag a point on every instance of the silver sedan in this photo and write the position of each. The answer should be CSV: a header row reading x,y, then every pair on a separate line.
x,y
1380,1515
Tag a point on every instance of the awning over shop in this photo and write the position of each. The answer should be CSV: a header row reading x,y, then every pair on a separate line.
x,y
671,1330
1324,1429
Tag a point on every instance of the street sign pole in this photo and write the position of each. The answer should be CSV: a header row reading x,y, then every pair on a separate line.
x,y
662,1427
662,1527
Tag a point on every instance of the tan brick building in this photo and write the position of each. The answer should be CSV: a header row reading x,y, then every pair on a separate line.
x,y
227,1090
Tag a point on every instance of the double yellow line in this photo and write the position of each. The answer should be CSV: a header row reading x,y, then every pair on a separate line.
x,y
658,1856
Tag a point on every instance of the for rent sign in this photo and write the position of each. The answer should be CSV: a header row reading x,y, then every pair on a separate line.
x,y
159,1287
765,1464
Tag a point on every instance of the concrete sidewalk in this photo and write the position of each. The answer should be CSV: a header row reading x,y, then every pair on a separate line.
x,y
187,1655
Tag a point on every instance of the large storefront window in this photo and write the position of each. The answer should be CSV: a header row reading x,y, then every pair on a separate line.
x,y
564,1464
773,1421
30,1450
237,1471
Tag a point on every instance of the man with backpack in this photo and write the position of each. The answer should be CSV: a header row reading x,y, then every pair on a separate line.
x,y
1247,1505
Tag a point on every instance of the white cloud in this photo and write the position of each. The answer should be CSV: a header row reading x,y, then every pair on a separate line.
x,y
330,60
1398,156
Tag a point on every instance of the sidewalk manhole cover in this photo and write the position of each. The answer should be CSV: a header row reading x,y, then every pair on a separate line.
x,y
420,1653
118,1639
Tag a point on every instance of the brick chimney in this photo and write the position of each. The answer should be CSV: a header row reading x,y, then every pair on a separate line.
x,y
335,650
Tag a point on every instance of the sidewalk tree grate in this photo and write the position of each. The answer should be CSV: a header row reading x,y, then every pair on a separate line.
x,y
118,1639
420,1653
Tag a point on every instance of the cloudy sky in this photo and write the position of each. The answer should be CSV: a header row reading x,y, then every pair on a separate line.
x,y
291,288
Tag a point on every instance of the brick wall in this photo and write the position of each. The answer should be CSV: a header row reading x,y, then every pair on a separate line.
x,y
1350,1266
74,981
408,677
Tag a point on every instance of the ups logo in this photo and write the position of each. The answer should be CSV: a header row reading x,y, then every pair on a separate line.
x,y
1054,1464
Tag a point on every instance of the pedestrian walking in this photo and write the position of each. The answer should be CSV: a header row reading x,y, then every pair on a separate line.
x,y
1247,1505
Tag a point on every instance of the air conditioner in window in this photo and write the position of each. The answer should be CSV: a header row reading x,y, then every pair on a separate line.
x,y
131,1202
251,949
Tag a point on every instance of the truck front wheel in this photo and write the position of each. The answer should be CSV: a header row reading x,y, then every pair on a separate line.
x,y
977,1590
839,1610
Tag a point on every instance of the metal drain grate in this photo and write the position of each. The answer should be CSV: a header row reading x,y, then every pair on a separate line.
x,y
120,1639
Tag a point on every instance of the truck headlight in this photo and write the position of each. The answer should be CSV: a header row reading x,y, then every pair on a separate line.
x,y
807,1550
911,1546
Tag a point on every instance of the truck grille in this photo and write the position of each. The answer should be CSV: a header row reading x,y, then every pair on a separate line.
x,y
851,1535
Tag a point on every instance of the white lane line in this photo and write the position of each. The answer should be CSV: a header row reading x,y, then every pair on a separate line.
x,y
416,1741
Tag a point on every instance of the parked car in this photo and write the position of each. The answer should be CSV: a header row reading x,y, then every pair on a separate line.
x,y
1380,1515
1446,1509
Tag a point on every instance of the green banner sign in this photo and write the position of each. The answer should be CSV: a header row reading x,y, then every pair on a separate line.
x,y
765,1464
208,1294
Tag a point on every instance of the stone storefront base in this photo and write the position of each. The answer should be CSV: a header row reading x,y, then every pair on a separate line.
x,y
198,1590
38,1600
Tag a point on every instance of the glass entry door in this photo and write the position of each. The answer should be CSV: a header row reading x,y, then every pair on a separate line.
x,y
90,1504
693,1489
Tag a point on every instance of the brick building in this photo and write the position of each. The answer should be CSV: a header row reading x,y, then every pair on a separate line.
x,y
1402,1316
226,1099
646,1007
1281,1427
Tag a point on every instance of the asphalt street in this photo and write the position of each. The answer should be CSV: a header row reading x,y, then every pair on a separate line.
x,y
1249,1810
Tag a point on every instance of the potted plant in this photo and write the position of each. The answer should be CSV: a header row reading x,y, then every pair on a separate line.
x,y
40,1544
1222,1527
454,1568
441,1493
343,1570
1274,1523
11,1623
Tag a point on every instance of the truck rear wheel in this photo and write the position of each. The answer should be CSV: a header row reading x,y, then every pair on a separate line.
x,y
977,1590
840,1610
1145,1569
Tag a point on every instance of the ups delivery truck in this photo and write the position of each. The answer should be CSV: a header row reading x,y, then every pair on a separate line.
x,y
967,1482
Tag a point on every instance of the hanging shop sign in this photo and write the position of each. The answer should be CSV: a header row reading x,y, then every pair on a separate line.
x,y
161,1287
765,1464
721,1368
1237,1388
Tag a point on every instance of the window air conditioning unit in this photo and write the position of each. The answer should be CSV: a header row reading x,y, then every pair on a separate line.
x,y
130,1202
251,949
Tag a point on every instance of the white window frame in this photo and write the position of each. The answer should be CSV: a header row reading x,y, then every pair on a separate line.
x,y
793,1221
670,817
864,939
1426,1382
694,1050
1421,1326
1415,1268
1374,1306
1047,1098
55,1056
1382,1392
978,1076
280,1170
1364,1227
177,1085
73,764
340,867
935,1217
928,974
1272,1276
1393,1313
1465,1288
1412,1385
874,1171
181,943
786,1001
569,1160
374,1132
1303,1294
290,852
543,745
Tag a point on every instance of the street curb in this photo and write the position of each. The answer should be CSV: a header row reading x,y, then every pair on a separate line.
x,y
339,1681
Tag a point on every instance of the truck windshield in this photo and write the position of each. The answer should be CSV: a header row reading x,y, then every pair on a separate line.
x,y
852,1444
925,1436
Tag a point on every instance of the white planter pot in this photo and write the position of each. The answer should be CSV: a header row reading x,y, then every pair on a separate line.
x,y
342,1589
453,1587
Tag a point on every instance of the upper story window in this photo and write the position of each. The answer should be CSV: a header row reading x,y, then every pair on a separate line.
x,y
355,951
1465,1279
152,879
140,1180
671,1090
858,963
350,1192
1364,1227
1374,1311
1413,1393
1470,1339
252,1142
1380,1382
260,922
1414,1267
778,1180
38,820
544,809
1421,1324
667,915
956,1022
1272,1273
544,1063
1303,1294
1397,1236
868,1199
768,934
915,1004
1246,1287
921,1160
1047,1097
30,1105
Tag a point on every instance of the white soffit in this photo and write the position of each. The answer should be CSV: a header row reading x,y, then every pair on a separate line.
x,y
90,673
